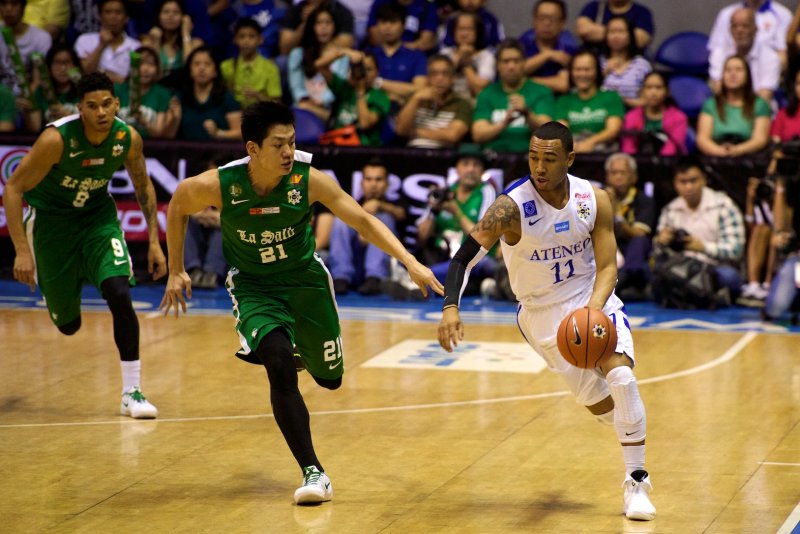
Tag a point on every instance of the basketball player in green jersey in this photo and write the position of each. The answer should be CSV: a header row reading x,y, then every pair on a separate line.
x,y
281,291
71,232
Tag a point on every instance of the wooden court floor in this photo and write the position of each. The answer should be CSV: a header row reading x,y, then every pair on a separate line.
x,y
408,451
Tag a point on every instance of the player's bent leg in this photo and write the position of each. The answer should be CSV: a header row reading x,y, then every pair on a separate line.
x,y
71,327
276,353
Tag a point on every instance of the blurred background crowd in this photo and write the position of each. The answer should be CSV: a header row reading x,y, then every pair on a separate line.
x,y
444,75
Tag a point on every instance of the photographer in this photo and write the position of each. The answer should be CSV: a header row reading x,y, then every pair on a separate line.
x,y
784,294
359,108
704,225
451,214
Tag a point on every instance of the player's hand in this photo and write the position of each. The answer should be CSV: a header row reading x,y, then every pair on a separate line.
x,y
451,329
177,283
424,277
156,261
24,269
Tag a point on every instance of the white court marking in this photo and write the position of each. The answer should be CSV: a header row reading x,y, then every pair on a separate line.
x,y
727,356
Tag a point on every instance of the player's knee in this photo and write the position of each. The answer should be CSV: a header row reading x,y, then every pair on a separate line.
x,y
71,327
275,352
630,418
117,293
329,383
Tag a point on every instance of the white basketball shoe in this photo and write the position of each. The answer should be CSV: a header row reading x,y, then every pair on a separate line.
x,y
316,487
636,499
136,405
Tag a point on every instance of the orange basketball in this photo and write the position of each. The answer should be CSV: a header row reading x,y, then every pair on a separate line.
x,y
586,338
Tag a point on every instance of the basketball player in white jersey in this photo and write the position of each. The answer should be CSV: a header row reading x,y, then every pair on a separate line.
x,y
557,236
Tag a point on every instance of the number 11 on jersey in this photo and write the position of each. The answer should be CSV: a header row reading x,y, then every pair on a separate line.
x,y
557,269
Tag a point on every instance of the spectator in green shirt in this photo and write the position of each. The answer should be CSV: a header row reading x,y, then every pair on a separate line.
x,y
357,102
507,111
64,68
8,109
250,76
593,115
156,113
735,122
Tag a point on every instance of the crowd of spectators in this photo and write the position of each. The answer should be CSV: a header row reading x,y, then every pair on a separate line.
x,y
428,74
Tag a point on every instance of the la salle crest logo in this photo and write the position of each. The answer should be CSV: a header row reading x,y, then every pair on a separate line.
x,y
294,197
116,150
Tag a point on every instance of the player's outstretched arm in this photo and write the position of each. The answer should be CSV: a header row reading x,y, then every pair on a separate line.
x,y
192,195
605,251
45,153
324,189
146,197
501,219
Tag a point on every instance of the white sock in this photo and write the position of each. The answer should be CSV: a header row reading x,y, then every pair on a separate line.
x,y
633,455
131,374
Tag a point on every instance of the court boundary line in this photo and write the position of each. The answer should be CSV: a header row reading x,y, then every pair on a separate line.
x,y
725,357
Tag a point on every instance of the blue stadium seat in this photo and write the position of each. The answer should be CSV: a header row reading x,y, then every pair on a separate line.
x,y
689,93
685,53
307,126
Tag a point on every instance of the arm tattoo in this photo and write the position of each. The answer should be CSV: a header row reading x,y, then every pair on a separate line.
x,y
145,194
501,217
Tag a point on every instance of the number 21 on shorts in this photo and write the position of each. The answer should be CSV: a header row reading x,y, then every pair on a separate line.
x,y
333,349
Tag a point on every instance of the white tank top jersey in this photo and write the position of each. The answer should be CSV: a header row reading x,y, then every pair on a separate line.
x,y
554,260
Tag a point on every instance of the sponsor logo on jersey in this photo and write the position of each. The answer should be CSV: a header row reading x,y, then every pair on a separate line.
x,y
582,196
529,208
296,179
562,227
121,135
265,211
235,202
73,143
93,162
235,190
584,210
294,197
116,150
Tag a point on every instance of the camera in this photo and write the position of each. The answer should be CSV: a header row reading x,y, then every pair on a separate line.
x,y
437,197
678,242
358,71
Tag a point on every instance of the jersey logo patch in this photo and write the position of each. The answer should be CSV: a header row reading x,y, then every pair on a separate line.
x,y
235,190
294,197
562,227
584,210
265,211
296,179
92,162
76,154
529,208
116,150
121,135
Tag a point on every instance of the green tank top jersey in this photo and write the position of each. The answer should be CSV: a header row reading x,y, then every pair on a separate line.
x,y
78,183
271,234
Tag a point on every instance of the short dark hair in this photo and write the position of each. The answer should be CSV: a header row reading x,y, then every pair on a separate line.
x,y
376,161
102,3
553,130
559,3
258,119
23,2
246,22
142,50
390,12
598,78
96,81
507,44
686,163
